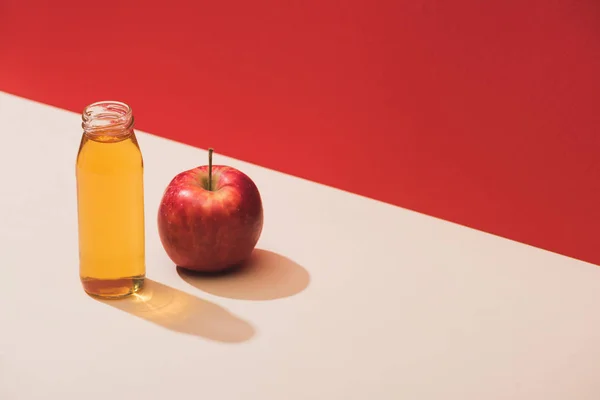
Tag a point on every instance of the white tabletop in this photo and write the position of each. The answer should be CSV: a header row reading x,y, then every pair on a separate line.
x,y
349,298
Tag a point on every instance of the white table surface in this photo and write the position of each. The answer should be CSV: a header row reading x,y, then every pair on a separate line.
x,y
349,298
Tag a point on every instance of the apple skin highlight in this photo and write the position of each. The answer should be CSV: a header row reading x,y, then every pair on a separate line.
x,y
210,230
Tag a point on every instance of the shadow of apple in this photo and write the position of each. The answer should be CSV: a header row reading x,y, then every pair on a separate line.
x,y
264,276
181,312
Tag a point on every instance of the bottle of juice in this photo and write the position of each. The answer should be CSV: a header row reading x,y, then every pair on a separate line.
x,y
110,202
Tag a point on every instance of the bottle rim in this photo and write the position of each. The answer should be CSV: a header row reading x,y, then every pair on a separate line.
x,y
107,117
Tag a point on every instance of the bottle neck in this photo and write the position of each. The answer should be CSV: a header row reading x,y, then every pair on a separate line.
x,y
108,119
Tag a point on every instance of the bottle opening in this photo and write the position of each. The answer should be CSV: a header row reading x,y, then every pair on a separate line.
x,y
107,118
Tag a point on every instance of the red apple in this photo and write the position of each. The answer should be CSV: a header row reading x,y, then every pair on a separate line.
x,y
210,227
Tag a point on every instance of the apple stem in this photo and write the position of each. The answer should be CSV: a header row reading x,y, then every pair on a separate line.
x,y
210,153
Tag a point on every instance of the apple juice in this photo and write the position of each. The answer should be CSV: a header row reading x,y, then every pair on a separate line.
x,y
110,202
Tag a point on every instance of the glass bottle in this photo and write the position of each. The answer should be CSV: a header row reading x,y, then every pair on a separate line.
x,y
110,202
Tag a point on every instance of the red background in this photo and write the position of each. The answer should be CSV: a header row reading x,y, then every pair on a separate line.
x,y
481,113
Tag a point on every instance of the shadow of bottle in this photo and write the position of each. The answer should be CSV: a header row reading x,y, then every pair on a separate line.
x,y
181,312
264,276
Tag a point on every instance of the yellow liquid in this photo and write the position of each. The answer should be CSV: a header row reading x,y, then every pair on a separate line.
x,y
110,195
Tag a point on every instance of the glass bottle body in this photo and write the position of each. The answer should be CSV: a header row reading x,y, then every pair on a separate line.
x,y
110,197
